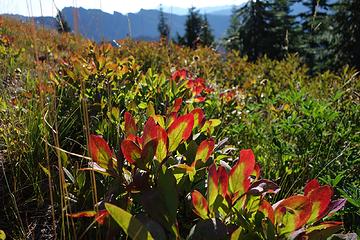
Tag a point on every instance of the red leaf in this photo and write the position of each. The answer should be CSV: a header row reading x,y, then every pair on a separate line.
x,y
130,125
179,75
130,151
200,204
267,209
100,151
204,150
101,216
223,181
320,198
239,181
150,131
199,116
199,99
311,185
292,213
180,130
177,105
132,137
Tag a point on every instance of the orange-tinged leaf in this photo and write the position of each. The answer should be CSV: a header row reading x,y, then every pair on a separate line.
x,y
267,209
130,125
161,149
132,137
172,117
150,131
179,75
311,185
199,99
292,213
101,216
82,214
100,151
177,105
320,198
223,181
204,150
180,130
198,116
213,181
239,181
256,171
200,204
130,151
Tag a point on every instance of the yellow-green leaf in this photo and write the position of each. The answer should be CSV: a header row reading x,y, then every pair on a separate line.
x,y
131,225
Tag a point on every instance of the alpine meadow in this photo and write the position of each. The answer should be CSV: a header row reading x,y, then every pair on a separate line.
x,y
249,134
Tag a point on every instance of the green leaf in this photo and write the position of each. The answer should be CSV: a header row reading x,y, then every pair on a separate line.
x,y
2,235
161,149
167,186
212,229
236,235
46,171
142,105
131,226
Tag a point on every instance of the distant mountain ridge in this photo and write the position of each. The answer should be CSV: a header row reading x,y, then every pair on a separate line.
x,y
102,26
97,25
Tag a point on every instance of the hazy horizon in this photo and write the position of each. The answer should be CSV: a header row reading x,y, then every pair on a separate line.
x,y
47,7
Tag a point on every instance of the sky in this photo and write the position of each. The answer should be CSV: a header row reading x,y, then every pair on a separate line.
x,y
46,7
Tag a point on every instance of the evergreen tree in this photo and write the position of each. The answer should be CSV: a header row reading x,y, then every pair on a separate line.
x,y
281,35
317,34
232,38
348,29
206,36
193,27
62,25
163,27
254,28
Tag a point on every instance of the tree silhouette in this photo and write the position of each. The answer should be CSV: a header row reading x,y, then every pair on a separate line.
x,y
62,25
348,29
206,36
163,27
